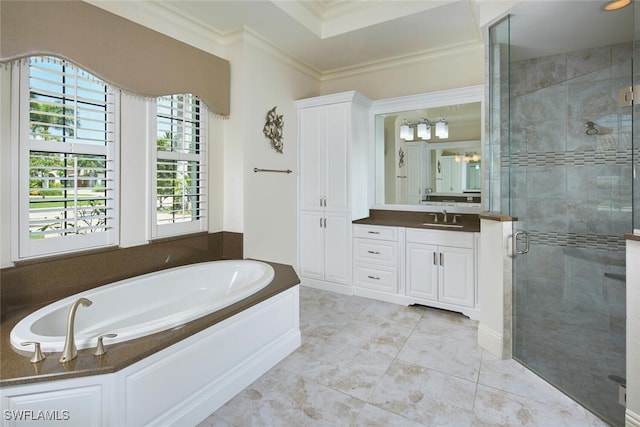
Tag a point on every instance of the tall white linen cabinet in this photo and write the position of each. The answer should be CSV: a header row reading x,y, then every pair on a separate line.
x,y
333,181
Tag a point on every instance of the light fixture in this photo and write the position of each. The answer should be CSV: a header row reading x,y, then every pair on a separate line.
x,y
442,128
406,132
615,5
475,157
424,129
458,159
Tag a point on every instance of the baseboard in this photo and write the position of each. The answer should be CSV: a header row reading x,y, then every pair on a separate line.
x,y
490,340
327,286
631,419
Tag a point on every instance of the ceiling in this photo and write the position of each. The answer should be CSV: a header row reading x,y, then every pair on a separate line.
x,y
340,35
333,35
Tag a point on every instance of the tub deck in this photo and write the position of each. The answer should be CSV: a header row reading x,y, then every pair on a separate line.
x,y
16,369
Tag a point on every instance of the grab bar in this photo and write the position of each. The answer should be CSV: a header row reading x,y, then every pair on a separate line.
x,y
273,170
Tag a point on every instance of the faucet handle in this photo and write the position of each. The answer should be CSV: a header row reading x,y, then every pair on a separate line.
x,y
100,347
37,353
435,217
455,218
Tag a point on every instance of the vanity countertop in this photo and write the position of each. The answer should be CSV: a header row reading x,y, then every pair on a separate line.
x,y
424,220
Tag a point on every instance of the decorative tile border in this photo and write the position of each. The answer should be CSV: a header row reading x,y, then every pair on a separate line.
x,y
575,240
570,158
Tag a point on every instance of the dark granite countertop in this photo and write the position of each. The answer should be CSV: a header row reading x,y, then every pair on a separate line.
x,y
412,219
15,368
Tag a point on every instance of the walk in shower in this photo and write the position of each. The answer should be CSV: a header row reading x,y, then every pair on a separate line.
x,y
561,150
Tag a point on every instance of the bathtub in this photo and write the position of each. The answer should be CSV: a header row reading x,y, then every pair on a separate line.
x,y
146,304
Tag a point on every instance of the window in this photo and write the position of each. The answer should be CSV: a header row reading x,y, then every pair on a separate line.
x,y
67,151
179,168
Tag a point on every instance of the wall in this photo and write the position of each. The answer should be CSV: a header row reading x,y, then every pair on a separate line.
x,y
270,199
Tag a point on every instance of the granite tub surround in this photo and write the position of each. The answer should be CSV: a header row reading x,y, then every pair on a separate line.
x,y
391,376
16,368
411,219
42,281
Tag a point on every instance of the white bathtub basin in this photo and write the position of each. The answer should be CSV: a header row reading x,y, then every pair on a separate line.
x,y
146,304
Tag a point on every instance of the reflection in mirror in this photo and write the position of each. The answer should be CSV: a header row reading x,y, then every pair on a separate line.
x,y
438,167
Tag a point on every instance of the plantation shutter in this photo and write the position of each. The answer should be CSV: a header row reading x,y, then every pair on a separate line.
x,y
69,190
180,164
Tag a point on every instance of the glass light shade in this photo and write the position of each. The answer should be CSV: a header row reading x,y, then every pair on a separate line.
x,y
466,159
458,159
406,132
442,129
424,131
475,157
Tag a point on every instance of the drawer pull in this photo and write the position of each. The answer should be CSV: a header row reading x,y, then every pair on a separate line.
x,y
373,232
441,258
374,252
373,277
435,258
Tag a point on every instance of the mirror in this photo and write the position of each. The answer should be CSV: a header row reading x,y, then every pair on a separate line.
x,y
428,150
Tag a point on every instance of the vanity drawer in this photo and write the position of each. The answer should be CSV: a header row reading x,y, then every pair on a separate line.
x,y
379,278
375,251
459,239
378,232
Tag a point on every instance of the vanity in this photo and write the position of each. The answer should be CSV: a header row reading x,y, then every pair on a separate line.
x,y
405,258
377,179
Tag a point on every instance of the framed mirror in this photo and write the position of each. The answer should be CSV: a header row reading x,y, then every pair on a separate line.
x,y
428,151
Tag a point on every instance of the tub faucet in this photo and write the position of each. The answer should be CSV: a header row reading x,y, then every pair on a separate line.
x,y
70,351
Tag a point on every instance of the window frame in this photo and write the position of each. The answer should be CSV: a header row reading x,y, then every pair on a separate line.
x,y
170,229
25,247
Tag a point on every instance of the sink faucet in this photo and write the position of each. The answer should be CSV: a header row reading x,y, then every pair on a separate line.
x,y
70,351
444,215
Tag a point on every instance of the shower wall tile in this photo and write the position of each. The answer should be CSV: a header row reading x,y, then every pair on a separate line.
x,y
546,71
585,61
592,97
540,106
550,215
549,136
547,183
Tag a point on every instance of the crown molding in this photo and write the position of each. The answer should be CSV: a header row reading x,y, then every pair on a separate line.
x,y
167,20
250,36
335,18
402,60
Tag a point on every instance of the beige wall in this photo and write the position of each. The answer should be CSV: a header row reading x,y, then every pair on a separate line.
x,y
269,203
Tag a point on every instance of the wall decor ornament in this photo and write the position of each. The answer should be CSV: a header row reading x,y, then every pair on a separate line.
x,y
273,129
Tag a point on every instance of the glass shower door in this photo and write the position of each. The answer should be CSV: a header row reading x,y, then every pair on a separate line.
x,y
570,186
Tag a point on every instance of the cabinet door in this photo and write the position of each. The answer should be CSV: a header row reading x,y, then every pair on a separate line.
x,y
311,239
338,129
337,250
457,284
312,124
422,271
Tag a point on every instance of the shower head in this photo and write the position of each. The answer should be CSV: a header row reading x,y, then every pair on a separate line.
x,y
591,128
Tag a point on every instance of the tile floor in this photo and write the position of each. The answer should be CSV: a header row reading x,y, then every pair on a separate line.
x,y
368,363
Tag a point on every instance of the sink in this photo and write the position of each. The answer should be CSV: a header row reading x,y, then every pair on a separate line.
x,y
431,224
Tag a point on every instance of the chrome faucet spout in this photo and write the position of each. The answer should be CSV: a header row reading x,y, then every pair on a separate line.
x,y
70,351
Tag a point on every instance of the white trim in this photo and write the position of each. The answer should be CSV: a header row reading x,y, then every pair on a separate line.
x,y
490,340
631,419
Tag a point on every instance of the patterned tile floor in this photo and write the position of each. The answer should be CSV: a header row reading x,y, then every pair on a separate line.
x,y
368,363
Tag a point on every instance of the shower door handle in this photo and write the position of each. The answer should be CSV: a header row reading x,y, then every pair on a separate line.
x,y
521,236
